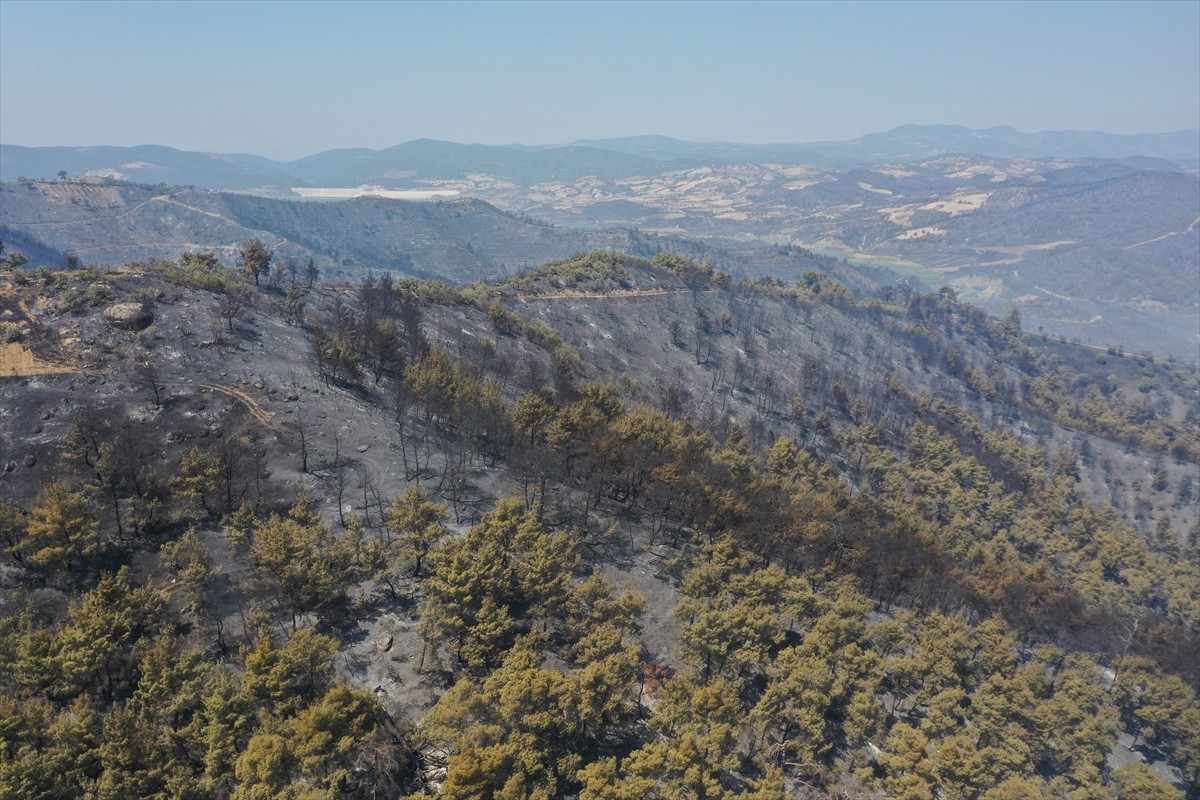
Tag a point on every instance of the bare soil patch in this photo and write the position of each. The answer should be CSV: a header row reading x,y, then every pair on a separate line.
x,y
17,361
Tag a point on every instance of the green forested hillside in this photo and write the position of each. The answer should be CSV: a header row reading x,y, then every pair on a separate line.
x,y
614,528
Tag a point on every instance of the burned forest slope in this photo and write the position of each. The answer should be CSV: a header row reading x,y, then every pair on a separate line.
x,y
607,524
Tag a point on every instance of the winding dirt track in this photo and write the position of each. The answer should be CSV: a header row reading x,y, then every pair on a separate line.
x,y
614,295
93,220
17,361
1185,231
161,198
260,414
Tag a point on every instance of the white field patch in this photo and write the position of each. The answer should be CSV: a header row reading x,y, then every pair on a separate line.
x,y
333,193
690,186
982,288
797,171
975,171
959,203
1026,249
106,172
921,233
868,187
899,215
1152,306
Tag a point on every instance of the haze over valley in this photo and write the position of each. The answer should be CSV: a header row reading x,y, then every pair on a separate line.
x,y
1092,237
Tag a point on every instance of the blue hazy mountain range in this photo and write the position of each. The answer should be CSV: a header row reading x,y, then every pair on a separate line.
x,y
608,159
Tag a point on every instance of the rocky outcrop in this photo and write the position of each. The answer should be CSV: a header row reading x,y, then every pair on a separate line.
x,y
131,316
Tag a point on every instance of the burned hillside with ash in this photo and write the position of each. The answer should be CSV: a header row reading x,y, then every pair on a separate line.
x,y
613,527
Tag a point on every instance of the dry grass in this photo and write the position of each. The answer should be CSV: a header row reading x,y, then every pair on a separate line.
x,y
17,361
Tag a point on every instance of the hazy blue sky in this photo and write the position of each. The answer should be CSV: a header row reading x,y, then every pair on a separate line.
x,y
286,80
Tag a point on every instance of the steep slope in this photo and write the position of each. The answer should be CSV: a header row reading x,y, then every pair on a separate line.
x,y
872,516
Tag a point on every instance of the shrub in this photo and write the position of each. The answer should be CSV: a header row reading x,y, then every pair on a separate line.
x,y
99,293
70,299
503,320
543,335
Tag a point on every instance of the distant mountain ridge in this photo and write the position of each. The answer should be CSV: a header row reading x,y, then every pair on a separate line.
x,y
666,148
920,142
608,159
434,159
915,142
144,163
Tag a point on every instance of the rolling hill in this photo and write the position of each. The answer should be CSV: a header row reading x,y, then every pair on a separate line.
x,y
461,240
1090,235
1102,251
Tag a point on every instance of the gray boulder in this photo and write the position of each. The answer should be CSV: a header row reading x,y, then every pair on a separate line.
x,y
131,316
